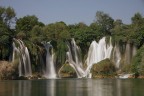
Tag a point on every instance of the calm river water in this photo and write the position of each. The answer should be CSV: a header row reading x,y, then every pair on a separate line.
x,y
73,87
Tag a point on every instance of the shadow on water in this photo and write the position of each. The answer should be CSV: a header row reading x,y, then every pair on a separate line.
x,y
73,87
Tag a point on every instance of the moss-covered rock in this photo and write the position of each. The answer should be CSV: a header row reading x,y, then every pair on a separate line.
x,y
67,71
8,70
103,69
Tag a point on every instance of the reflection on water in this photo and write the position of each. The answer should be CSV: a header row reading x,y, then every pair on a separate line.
x,y
73,87
101,88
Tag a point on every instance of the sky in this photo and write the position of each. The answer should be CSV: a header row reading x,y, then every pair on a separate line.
x,y
75,11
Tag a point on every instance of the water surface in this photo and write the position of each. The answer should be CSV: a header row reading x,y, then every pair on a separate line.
x,y
73,87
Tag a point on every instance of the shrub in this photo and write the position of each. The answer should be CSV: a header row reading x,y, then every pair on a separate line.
x,y
67,71
104,68
8,71
138,62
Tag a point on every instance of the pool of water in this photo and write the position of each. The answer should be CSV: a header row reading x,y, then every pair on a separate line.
x,y
73,87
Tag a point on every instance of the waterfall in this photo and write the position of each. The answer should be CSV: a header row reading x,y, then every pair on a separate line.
x,y
97,52
134,50
28,71
116,56
50,69
74,59
21,53
129,53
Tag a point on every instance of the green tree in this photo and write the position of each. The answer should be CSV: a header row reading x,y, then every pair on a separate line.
x,y
56,31
105,21
119,31
37,34
26,24
138,62
97,31
8,16
137,19
137,30
7,20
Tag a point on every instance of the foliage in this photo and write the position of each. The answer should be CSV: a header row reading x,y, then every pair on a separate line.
x,y
137,30
7,15
8,71
36,34
67,71
138,62
105,21
97,31
126,68
119,32
133,33
61,54
104,67
56,31
26,24
7,18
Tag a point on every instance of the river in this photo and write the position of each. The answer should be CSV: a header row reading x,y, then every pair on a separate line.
x,y
73,87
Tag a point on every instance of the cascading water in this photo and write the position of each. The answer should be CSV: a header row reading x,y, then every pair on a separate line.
x,y
21,53
116,56
134,50
50,69
97,52
129,53
74,59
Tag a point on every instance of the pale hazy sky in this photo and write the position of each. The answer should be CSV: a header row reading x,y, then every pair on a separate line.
x,y
75,11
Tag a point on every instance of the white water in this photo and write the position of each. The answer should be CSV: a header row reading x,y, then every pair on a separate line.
x,y
134,50
97,52
129,53
50,69
28,65
21,53
74,58
116,56
124,76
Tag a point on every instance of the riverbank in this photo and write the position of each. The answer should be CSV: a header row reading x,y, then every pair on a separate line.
x,y
9,71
